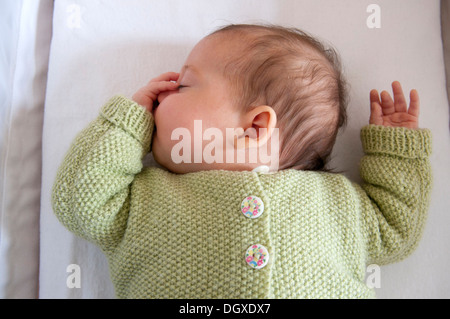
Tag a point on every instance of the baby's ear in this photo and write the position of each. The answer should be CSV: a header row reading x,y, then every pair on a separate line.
x,y
260,123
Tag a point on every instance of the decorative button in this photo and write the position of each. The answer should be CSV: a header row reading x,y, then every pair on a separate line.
x,y
257,256
252,207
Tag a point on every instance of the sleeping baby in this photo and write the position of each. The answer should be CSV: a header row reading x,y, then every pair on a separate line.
x,y
210,223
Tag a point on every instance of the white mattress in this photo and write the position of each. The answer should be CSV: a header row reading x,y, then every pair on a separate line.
x,y
25,28
102,48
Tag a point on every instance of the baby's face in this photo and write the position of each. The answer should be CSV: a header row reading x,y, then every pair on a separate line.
x,y
204,97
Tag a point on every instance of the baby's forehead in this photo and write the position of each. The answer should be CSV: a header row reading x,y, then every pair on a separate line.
x,y
259,45
246,43
213,51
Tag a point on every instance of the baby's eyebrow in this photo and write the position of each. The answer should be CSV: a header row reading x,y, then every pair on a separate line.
x,y
187,67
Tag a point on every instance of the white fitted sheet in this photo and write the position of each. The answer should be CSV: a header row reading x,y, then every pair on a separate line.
x,y
25,28
102,48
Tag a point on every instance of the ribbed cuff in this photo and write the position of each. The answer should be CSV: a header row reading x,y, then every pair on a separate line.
x,y
131,117
398,141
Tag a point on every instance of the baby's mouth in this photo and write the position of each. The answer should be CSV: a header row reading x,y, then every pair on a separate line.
x,y
155,105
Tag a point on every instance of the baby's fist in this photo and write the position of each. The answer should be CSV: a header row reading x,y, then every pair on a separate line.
x,y
147,95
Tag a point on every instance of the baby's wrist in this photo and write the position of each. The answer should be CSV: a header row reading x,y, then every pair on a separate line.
x,y
142,101
398,141
130,116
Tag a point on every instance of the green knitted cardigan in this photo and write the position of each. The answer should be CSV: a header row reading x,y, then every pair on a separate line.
x,y
183,235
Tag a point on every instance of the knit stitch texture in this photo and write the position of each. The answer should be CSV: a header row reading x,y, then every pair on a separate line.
x,y
183,235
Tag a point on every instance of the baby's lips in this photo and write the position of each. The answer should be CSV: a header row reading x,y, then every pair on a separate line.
x,y
155,104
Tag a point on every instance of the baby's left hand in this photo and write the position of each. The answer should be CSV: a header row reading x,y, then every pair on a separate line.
x,y
395,112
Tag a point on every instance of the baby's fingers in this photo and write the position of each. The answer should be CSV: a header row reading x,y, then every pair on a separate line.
x,y
387,104
374,97
376,114
168,76
153,89
399,97
159,87
148,94
414,105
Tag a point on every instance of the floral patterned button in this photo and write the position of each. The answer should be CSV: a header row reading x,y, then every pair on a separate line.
x,y
257,256
252,206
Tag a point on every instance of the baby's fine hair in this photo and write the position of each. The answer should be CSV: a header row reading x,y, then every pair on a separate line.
x,y
300,78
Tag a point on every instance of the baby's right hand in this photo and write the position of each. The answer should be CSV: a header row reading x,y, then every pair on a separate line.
x,y
148,95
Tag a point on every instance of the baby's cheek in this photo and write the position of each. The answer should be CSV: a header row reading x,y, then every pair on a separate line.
x,y
170,124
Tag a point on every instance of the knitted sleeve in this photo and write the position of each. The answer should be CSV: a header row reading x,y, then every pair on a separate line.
x,y
92,188
396,190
